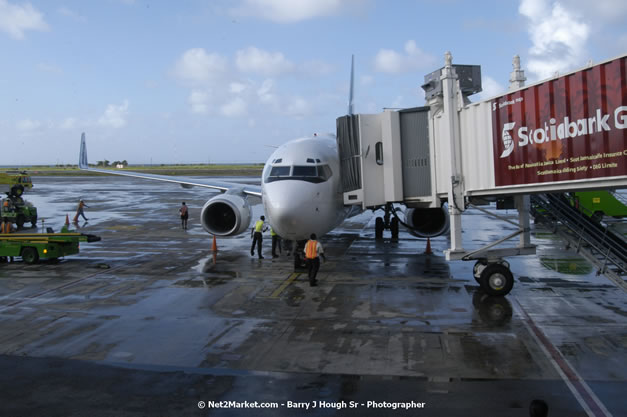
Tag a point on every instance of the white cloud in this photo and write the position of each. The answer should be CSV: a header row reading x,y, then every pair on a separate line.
x,y
236,87
234,108
115,116
298,107
263,62
413,58
557,35
290,11
197,66
605,10
198,100
27,125
490,88
68,123
16,19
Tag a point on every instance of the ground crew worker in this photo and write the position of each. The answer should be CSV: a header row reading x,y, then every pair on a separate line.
x,y
184,215
276,243
79,210
256,234
5,227
313,251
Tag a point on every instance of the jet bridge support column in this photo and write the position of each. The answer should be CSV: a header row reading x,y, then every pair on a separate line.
x,y
456,192
517,80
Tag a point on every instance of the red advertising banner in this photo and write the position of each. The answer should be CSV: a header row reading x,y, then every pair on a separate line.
x,y
569,128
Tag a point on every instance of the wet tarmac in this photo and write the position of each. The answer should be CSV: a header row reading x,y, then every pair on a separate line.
x,y
148,322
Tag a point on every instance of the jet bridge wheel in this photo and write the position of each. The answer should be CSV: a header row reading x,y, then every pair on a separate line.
x,y
496,279
378,228
478,269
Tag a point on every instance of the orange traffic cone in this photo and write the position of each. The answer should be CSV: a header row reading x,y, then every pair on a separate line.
x,y
214,246
428,250
67,219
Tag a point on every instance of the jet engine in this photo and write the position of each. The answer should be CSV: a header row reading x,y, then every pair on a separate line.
x,y
226,215
427,222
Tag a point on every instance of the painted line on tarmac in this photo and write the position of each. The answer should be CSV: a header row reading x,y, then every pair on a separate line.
x,y
284,285
591,404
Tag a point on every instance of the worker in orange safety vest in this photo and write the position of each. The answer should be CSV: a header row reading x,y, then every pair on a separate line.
x,y
313,251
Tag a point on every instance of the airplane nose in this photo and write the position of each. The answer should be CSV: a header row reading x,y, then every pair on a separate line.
x,y
291,209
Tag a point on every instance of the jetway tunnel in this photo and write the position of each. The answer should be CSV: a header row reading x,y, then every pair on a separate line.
x,y
568,133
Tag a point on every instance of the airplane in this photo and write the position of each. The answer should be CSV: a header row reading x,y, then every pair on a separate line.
x,y
301,193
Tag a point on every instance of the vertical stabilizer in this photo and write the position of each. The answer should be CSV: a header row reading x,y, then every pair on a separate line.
x,y
350,94
82,157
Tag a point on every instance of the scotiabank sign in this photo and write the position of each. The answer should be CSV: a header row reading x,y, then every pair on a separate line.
x,y
572,127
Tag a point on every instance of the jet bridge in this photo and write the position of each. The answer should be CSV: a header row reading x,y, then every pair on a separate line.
x,y
568,133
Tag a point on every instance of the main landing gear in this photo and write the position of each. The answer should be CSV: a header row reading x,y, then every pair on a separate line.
x,y
495,278
385,222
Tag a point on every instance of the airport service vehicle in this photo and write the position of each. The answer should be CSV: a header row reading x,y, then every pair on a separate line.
x,y
597,204
15,182
35,246
18,211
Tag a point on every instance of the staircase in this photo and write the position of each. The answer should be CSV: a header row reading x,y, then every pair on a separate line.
x,y
595,241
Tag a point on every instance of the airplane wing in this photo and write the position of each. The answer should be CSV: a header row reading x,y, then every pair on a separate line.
x,y
186,182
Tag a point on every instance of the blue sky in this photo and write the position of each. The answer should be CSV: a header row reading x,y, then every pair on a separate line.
x,y
222,81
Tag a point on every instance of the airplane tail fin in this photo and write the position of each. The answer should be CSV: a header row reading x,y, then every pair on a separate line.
x,y
350,94
82,158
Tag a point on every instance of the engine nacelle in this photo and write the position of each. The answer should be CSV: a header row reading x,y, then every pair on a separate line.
x,y
427,222
226,215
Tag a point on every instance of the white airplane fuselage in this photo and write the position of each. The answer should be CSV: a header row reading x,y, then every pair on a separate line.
x,y
298,205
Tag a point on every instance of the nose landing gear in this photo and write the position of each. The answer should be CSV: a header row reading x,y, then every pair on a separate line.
x,y
385,222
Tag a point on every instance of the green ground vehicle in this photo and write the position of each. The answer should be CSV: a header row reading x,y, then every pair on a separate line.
x,y
597,204
18,211
35,246
15,182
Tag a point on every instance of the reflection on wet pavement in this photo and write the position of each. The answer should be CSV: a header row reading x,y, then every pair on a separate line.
x,y
384,314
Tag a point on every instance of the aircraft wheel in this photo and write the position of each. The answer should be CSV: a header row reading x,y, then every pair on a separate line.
x,y
478,269
378,228
19,221
30,255
496,279
394,227
299,263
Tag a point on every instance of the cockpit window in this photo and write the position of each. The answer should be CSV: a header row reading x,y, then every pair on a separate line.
x,y
280,171
310,173
304,171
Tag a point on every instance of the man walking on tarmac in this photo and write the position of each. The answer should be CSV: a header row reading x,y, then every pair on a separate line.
x,y
256,234
79,210
313,249
184,215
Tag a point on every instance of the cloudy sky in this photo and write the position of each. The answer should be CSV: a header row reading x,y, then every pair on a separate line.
x,y
223,81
